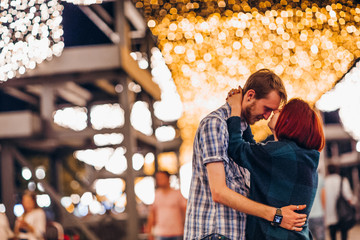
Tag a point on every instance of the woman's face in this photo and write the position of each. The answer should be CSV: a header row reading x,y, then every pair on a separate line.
x,y
274,119
28,203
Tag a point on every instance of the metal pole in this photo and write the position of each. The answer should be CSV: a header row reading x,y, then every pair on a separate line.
x,y
130,145
8,181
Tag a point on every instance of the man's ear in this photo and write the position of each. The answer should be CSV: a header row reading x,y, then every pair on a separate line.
x,y
249,95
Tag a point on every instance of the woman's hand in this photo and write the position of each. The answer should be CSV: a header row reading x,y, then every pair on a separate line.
x,y
22,224
234,99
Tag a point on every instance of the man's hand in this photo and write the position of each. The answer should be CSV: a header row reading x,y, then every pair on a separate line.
x,y
292,220
234,99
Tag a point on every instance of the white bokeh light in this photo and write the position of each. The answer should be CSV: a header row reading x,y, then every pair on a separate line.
x,y
145,190
165,133
86,198
73,117
2,208
107,116
138,161
117,163
358,146
66,201
108,139
40,172
26,173
185,179
96,208
113,160
75,198
149,158
170,107
32,186
95,157
111,188
120,204
43,200
40,187
140,118
81,210
18,210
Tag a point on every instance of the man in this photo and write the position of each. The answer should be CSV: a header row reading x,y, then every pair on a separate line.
x,y
217,204
167,214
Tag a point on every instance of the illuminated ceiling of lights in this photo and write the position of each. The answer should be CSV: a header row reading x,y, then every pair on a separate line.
x,y
30,32
212,45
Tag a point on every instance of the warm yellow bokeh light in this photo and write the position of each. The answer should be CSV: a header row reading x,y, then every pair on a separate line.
x,y
168,161
212,46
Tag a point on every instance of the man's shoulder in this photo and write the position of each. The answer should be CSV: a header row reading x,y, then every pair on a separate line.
x,y
219,114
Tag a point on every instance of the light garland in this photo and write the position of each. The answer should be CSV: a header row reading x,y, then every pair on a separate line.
x,y
345,97
30,33
83,2
212,46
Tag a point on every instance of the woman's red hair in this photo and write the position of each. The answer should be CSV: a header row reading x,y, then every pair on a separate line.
x,y
300,123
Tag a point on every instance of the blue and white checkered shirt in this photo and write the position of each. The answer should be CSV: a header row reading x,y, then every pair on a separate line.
x,y
203,215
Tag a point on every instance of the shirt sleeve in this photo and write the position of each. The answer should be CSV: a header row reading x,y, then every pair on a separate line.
x,y
248,136
347,192
213,140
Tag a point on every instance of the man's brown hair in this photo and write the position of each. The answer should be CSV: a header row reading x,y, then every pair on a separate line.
x,y
263,82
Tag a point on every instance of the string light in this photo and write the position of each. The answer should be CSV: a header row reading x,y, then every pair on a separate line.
x,y
345,97
212,46
83,2
30,33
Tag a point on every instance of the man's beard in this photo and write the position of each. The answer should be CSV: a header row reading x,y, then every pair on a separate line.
x,y
249,117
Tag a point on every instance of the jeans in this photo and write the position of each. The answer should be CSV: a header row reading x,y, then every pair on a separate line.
x,y
215,236
317,228
334,228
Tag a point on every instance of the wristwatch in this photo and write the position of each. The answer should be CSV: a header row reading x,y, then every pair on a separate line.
x,y
277,218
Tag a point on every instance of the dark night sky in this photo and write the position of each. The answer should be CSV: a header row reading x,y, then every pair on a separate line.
x,y
79,30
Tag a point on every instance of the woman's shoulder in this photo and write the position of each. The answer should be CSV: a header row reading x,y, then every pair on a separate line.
x,y
38,211
285,147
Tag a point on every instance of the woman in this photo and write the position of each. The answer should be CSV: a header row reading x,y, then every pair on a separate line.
x,y
333,182
32,224
283,171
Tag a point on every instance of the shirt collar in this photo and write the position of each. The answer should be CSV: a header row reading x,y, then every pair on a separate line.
x,y
244,124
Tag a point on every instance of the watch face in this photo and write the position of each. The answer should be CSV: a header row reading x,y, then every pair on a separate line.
x,y
277,219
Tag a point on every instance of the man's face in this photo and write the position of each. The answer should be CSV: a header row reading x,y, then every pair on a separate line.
x,y
257,109
162,180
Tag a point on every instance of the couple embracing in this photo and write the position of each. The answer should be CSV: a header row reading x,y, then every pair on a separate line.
x,y
241,189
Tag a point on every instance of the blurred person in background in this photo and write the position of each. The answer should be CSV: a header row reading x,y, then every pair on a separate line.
x,y
317,216
332,190
167,214
32,224
5,230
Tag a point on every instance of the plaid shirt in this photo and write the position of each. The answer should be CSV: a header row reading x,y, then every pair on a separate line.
x,y
203,215
282,173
